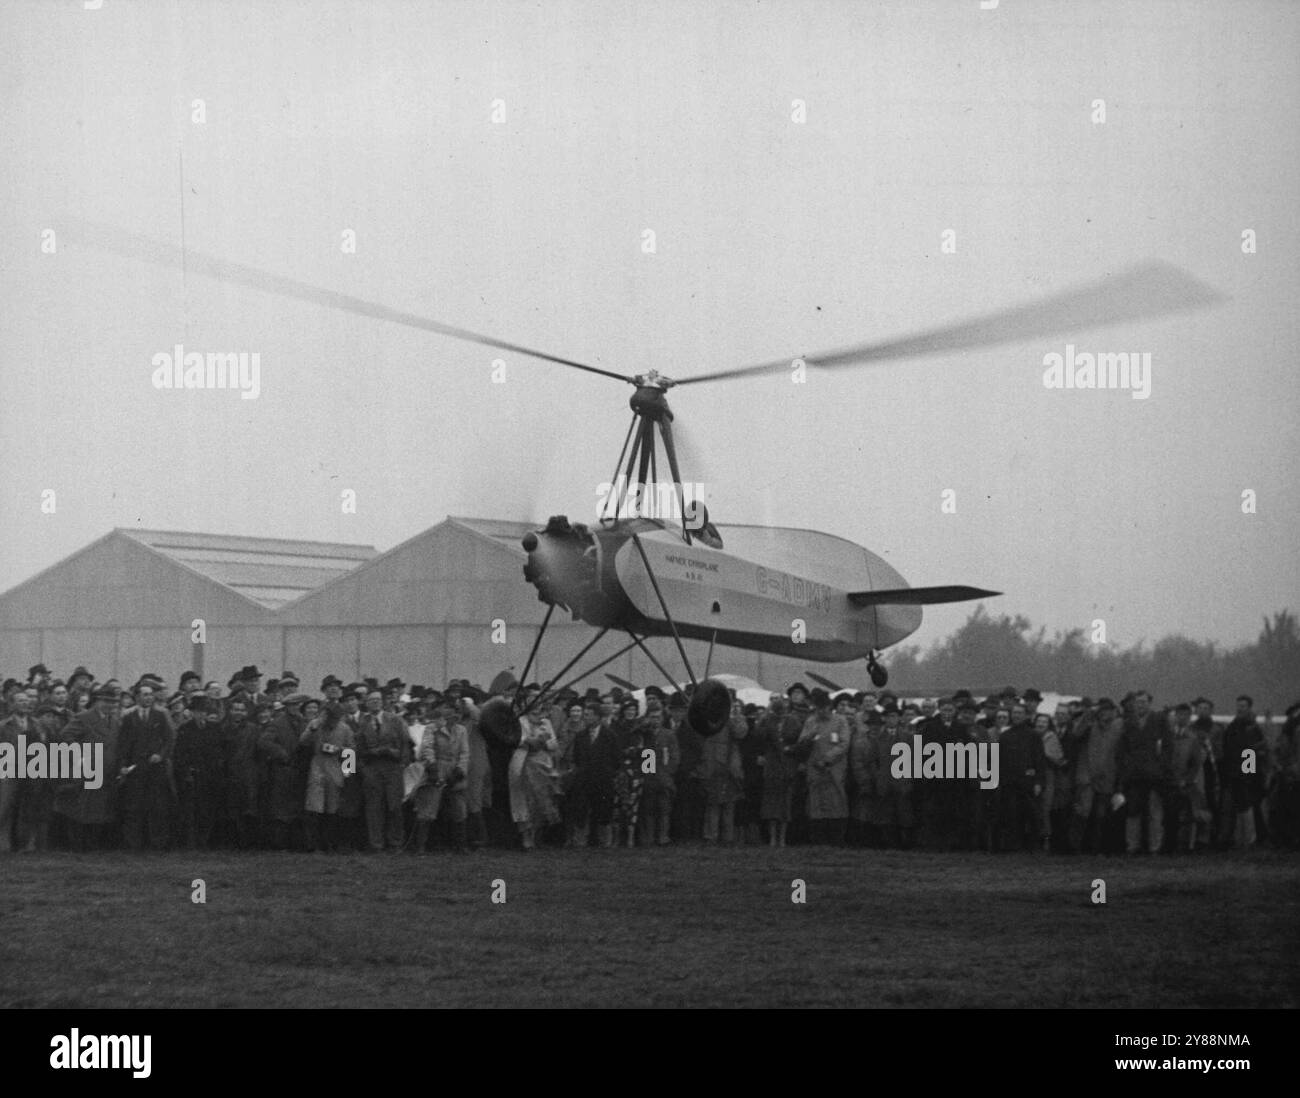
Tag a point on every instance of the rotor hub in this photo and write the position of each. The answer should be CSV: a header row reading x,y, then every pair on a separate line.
x,y
649,401
653,379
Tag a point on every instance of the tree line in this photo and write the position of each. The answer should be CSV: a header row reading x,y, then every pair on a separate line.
x,y
988,652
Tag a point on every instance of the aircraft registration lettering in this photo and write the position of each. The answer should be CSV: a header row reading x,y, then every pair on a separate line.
x,y
801,592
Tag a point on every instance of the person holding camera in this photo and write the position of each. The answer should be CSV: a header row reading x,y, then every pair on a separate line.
x,y
332,743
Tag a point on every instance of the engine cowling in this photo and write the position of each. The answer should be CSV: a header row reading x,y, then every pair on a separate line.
x,y
562,566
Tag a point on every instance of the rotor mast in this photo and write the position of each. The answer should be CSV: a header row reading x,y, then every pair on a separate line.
x,y
637,464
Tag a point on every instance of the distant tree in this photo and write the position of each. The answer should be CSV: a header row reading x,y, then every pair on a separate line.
x,y
987,651
1278,658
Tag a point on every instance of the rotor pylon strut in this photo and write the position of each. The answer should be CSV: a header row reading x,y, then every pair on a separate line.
x,y
638,464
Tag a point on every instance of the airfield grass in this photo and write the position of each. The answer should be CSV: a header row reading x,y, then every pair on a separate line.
x,y
659,928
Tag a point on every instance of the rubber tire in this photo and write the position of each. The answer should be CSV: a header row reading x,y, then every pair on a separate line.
x,y
499,724
710,708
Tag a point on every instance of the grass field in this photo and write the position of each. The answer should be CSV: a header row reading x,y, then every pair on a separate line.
x,y
665,928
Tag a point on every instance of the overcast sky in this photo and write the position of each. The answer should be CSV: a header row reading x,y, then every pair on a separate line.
x,y
772,238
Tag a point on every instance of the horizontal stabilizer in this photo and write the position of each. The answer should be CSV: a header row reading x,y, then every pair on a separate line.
x,y
919,596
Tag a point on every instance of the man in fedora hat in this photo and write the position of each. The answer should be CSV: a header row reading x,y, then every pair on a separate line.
x,y
200,769
597,754
383,750
144,761
251,678
285,783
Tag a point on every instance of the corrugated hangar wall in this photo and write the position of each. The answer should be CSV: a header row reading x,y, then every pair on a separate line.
x,y
424,611
120,608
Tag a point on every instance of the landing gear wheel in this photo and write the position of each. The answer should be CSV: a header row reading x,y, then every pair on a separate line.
x,y
879,676
710,708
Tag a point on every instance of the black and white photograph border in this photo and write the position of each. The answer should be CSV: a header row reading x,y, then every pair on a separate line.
x,y
623,505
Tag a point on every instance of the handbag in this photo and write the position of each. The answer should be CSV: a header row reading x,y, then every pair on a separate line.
x,y
414,775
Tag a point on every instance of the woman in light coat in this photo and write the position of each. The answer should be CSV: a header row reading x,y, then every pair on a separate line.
x,y
332,744
445,753
533,779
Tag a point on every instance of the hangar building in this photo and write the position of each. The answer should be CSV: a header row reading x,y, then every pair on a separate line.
x,y
450,602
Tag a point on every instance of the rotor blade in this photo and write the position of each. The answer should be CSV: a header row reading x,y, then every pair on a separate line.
x,y
1149,290
617,681
832,686
131,246
919,596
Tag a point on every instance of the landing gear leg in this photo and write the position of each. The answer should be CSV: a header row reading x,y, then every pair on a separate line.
x,y
879,676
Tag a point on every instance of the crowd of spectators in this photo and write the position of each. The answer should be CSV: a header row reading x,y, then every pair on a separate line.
x,y
364,766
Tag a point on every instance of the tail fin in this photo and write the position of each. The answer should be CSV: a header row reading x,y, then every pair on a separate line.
x,y
919,596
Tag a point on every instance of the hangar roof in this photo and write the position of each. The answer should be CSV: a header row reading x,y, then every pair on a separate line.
x,y
270,571
506,531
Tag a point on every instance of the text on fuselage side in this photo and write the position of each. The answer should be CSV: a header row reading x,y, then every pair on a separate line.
x,y
673,558
801,592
